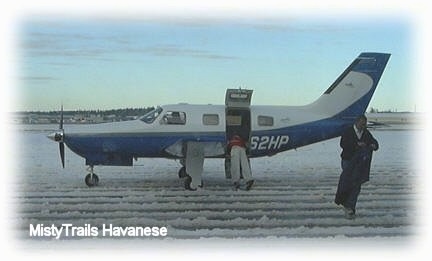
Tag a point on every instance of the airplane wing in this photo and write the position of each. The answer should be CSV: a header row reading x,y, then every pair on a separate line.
x,y
210,149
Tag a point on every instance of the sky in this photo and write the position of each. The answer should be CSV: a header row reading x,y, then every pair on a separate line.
x,y
119,62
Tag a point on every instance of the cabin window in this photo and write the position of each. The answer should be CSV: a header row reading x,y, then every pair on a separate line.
x,y
174,118
265,121
233,120
210,119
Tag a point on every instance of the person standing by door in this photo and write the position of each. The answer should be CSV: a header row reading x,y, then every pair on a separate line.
x,y
239,159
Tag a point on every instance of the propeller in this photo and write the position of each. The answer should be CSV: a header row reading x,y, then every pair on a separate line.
x,y
61,143
59,137
61,147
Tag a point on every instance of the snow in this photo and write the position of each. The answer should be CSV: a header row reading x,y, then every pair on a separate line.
x,y
292,197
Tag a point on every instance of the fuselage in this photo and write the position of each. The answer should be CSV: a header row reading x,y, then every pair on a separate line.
x,y
273,129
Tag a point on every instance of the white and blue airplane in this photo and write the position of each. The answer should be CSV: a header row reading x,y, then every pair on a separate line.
x,y
192,133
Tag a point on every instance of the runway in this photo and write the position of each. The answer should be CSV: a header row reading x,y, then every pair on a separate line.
x,y
293,196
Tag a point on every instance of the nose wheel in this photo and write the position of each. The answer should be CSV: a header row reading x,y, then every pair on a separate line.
x,y
91,179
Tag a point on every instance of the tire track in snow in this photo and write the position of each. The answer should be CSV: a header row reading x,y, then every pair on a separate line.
x,y
290,205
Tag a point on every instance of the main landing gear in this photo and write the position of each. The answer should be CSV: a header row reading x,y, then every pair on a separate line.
x,y
91,179
192,165
182,172
187,179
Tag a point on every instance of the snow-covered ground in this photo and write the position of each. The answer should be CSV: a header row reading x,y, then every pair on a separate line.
x,y
292,197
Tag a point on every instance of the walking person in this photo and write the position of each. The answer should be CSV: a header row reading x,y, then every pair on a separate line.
x,y
239,160
357,145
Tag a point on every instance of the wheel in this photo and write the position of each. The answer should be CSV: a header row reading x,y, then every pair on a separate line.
x,y
91,181
182,172
187,183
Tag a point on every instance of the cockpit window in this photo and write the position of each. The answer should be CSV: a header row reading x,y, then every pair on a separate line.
x,y
151,116
174,117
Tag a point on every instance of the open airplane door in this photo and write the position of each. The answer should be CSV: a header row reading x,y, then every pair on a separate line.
x,y
237,112
238,98
238,118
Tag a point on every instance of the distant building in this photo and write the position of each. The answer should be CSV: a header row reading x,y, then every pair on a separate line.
x,y
396,117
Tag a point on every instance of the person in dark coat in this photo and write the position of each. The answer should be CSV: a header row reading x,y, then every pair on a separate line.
x,y
357,145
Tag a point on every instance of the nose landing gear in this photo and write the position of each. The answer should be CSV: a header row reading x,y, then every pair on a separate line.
x,y
91,179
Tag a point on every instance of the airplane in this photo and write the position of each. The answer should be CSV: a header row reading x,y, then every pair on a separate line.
x,y
191,133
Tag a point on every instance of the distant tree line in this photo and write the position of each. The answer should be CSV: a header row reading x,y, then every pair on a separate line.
x,y
103,113
375,110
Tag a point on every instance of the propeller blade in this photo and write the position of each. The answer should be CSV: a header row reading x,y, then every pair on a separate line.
x,y
61,143
62,156
61,118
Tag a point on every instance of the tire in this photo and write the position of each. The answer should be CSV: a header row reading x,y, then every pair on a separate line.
x,y
182,172
91,182
187,183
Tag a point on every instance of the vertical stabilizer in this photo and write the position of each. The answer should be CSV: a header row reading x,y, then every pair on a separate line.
x,y
350,94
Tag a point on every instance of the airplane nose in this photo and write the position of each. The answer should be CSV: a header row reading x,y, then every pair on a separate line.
x,y
56,136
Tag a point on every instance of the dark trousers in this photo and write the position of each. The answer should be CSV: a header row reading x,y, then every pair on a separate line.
x,y
348,187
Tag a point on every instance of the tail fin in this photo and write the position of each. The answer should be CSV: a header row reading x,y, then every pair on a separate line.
x,y
350,94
